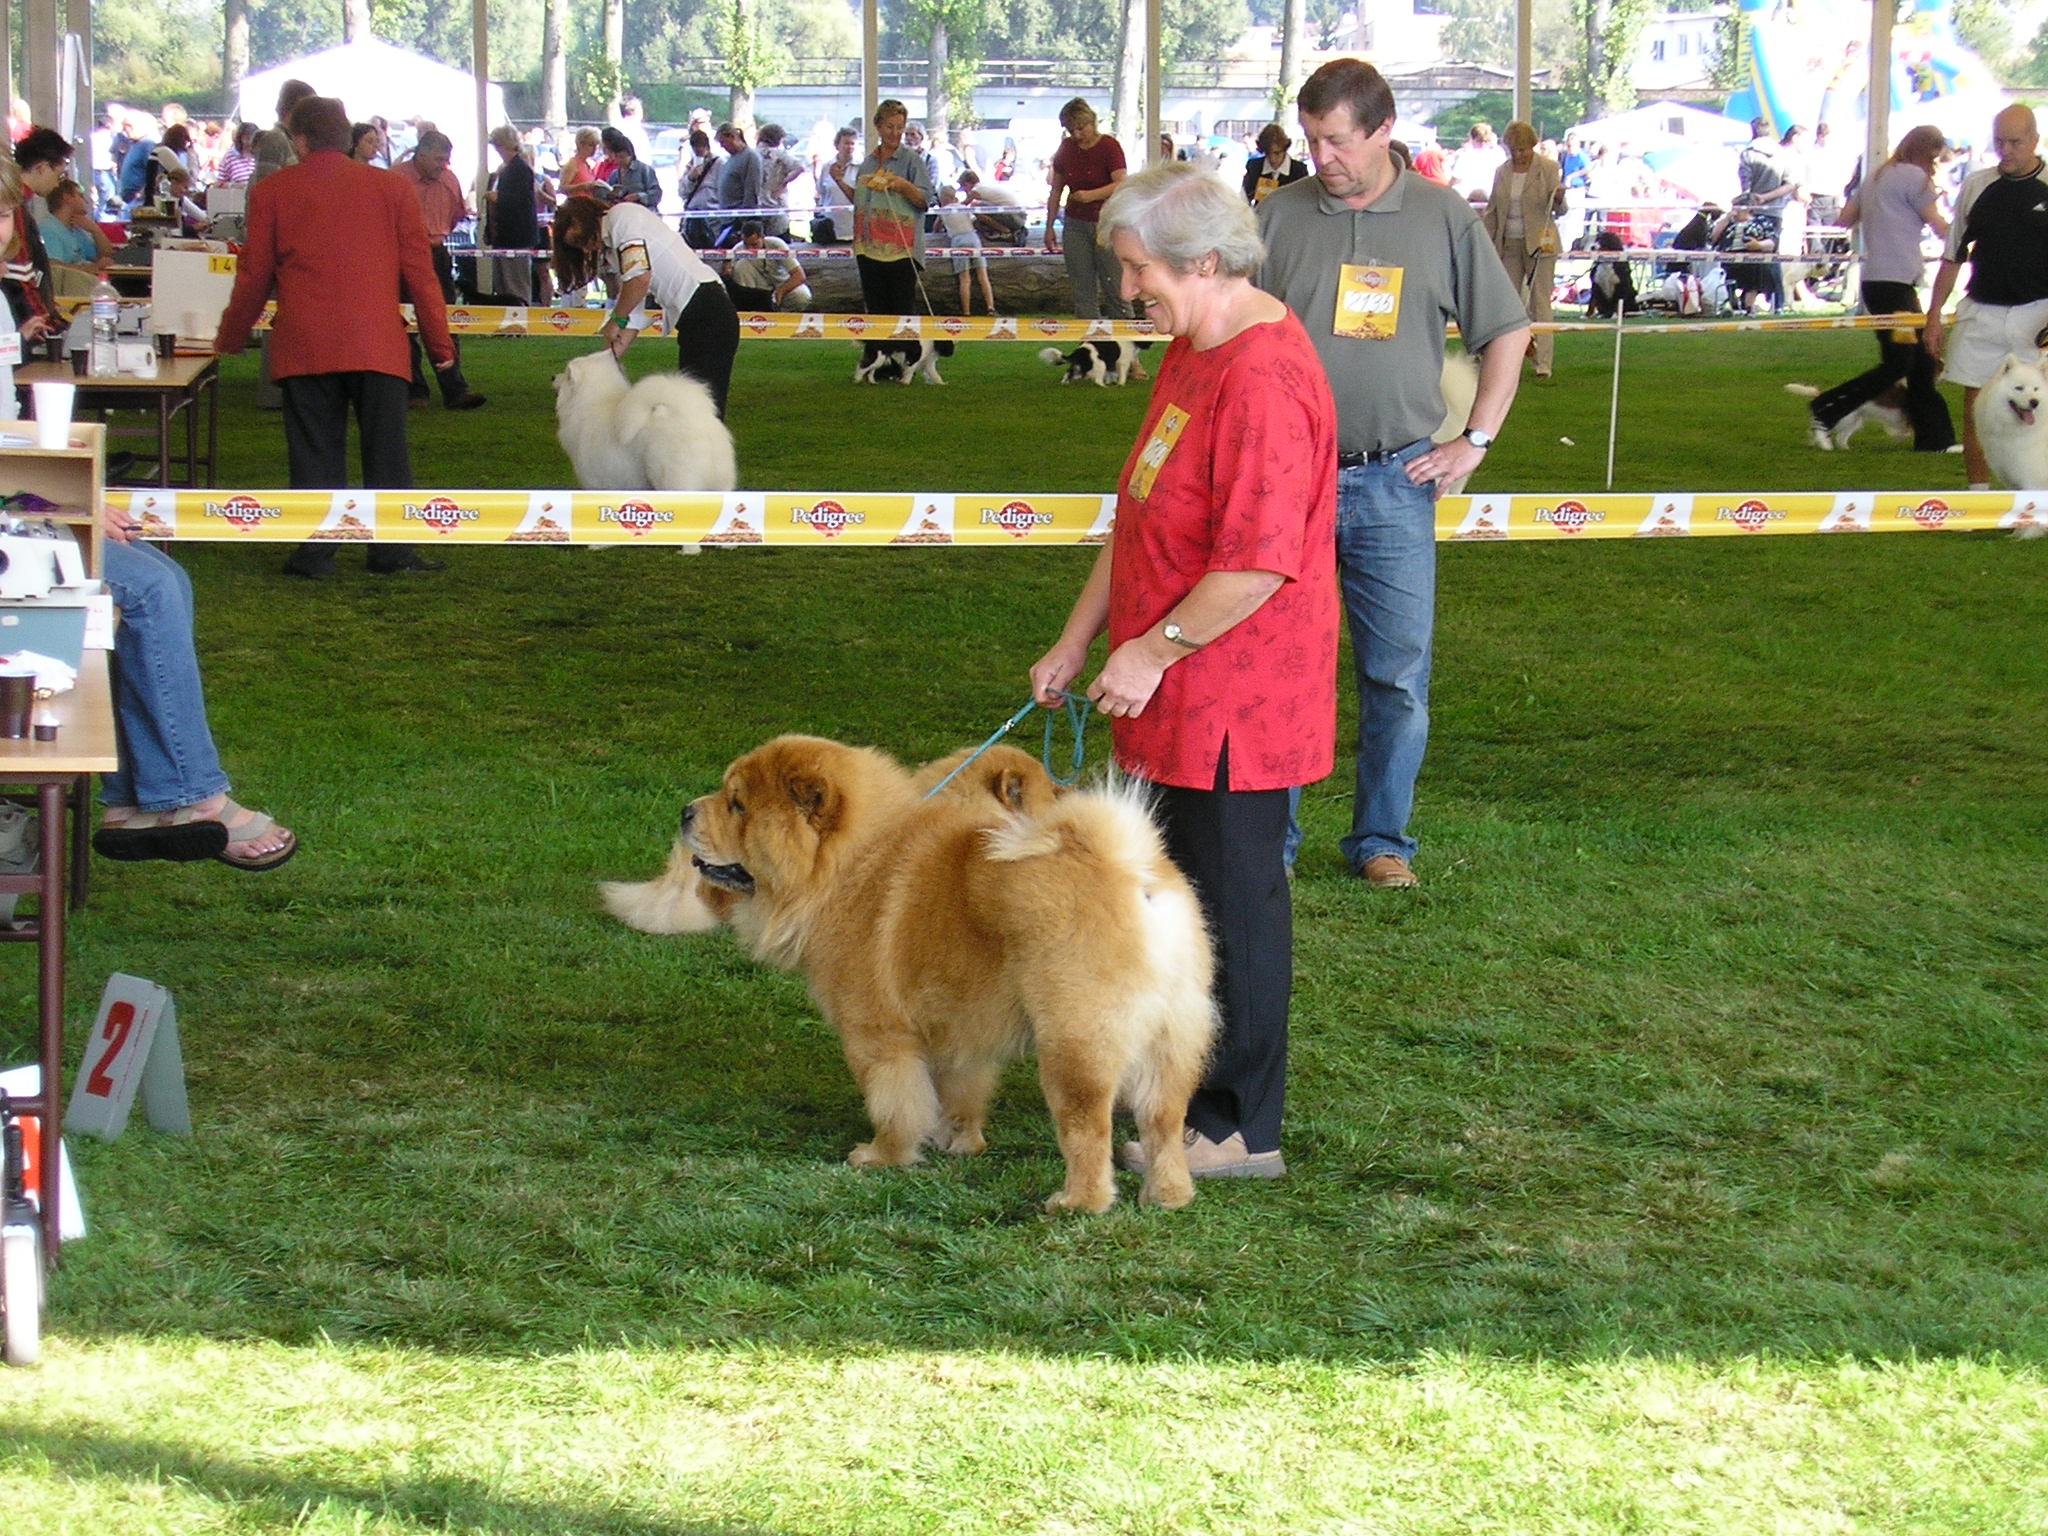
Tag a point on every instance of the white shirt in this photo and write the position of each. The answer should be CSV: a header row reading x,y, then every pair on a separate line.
x,y
830,193
638,240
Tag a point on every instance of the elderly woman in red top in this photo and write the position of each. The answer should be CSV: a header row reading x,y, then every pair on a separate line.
x,y
1219,594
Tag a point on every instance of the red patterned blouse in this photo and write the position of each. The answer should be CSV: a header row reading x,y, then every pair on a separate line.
x,y
1235,470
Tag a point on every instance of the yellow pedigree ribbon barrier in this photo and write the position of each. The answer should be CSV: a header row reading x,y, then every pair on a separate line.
x,y
795,325
826,520
814,325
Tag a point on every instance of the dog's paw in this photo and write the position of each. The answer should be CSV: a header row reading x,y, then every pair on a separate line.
x,y
963,1141
868,1155
1169,1194
1068,1200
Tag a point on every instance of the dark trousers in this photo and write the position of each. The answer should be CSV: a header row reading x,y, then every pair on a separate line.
x,y
708,339
886,288
316,411
1899,356
1228,843
453,385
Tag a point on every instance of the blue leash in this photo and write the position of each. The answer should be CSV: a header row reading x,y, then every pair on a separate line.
x,y
1076,707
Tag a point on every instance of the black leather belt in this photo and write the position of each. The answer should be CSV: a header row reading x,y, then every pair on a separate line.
x,y
1374,456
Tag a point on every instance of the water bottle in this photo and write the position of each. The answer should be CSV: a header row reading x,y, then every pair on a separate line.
x,y
106,320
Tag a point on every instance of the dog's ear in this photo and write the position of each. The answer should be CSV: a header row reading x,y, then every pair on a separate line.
x,y
815,798
1010,789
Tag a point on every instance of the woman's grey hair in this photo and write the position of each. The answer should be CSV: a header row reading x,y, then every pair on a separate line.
x,y
1180,212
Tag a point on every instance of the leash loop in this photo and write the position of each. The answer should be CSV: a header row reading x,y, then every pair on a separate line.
x,y
1076,708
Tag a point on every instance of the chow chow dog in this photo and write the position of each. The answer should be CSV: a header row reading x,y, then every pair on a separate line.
x,y
661,434
942,937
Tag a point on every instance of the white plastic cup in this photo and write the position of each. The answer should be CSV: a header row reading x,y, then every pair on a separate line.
x,y
53,413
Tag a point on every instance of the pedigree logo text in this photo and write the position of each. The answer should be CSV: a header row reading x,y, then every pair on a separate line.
x,y
241,511
827,517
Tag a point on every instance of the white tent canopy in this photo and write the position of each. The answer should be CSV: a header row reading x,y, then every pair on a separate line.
x,y
1657,122
377,79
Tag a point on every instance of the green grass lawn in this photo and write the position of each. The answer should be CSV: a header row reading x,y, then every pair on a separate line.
x,y
1671,1161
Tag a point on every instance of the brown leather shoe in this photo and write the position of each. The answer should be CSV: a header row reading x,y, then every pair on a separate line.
x,y
1388,872
1225,1159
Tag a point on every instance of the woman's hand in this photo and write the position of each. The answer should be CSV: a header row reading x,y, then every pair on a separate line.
x,y
118,526
1055,669
1127,681
34,326
618,341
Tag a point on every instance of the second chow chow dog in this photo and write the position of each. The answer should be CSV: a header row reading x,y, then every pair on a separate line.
x,y
943,937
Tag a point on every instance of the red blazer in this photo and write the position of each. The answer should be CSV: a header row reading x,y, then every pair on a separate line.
x,y
336,242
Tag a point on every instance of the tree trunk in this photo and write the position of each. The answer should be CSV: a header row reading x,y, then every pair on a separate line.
x,y
234,53
1127,107
935,109
1290,55
1596,58
554,66
355,20
614,44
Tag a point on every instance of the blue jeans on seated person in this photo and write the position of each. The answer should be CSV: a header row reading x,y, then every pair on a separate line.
x,y
167,755
1386,568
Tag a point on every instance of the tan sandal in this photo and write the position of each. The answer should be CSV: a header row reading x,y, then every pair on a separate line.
x,y
243,826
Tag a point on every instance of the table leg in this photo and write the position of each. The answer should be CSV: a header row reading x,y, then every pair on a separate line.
x,y
213,427
50,1002
163,441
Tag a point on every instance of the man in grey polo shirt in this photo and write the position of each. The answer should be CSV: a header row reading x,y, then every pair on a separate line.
x,y
1374,260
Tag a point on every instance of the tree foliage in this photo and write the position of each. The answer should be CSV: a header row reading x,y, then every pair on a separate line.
x,y
154,49
1604,74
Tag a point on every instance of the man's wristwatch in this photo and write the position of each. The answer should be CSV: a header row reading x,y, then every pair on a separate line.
x,y
1172,631
1477,438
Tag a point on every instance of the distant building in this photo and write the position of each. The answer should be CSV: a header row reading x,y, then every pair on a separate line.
x,y
1677,51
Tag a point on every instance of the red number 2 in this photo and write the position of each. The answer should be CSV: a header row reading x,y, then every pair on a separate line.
x,y
120,1019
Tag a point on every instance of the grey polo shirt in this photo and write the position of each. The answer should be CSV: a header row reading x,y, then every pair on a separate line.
x,y
1388,392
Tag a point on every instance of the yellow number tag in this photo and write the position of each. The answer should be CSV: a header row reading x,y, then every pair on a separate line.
x,y
218,266
632,260
1368,302
1171,423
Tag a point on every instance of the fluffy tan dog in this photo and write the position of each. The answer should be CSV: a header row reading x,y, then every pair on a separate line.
x,y
943,937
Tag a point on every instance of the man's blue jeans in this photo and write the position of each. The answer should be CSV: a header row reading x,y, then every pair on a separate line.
x,y
167,755
1386,567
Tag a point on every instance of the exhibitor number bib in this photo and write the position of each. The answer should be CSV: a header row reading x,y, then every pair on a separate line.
x,y
1368,302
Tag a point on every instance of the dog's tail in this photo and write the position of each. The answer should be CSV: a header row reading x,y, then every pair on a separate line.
x,y
1156,996
1803,391
676,901
1051,355
1111,828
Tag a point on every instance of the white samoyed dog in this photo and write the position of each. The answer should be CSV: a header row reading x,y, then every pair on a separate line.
x,y
2012,426
661,434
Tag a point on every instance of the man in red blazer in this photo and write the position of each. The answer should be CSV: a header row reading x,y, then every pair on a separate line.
x,y
338,244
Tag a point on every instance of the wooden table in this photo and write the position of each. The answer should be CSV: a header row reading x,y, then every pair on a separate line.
x,y
61,771
180,385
